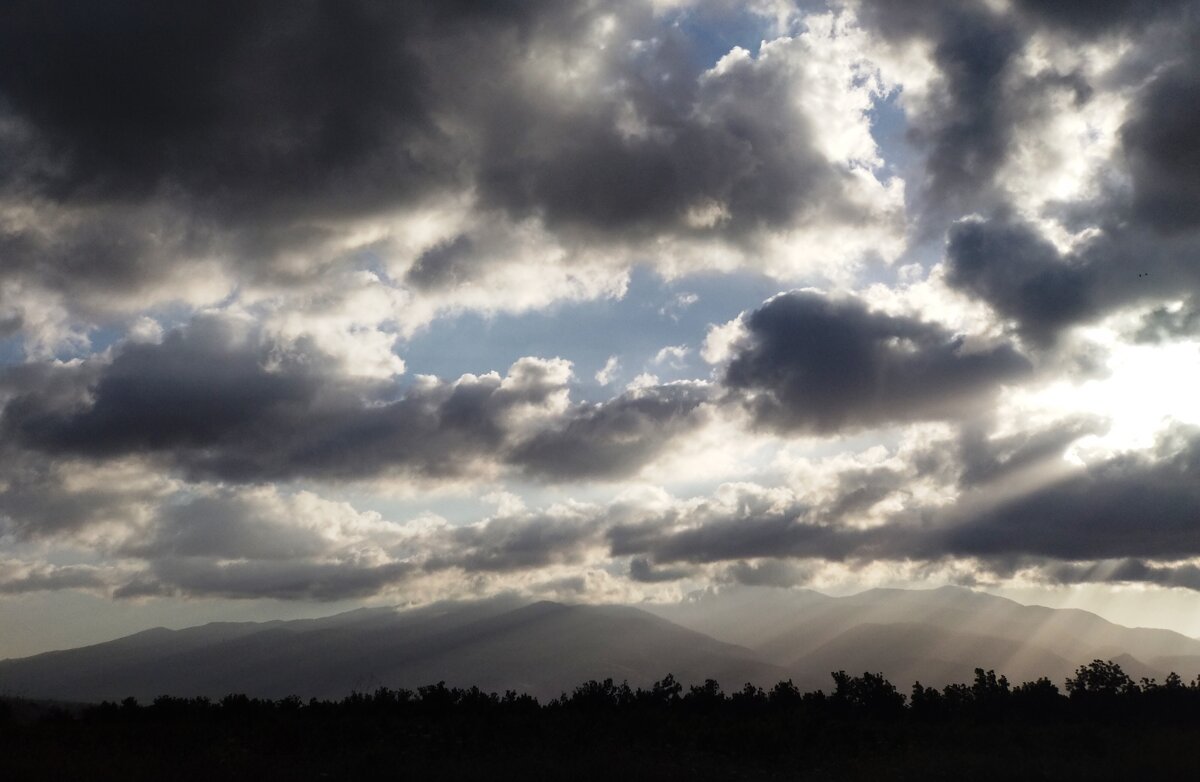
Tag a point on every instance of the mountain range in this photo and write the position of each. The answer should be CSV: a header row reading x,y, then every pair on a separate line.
x,y
737,635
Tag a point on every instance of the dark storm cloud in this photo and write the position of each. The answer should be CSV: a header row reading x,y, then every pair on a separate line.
x,y
1142,507
246,134
1162,147
245,107
812,363
1022,275
1089,17
1124,571
1043,291
752,524
153,136
216,401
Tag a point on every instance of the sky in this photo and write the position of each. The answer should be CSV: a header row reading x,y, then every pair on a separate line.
x,y
306,306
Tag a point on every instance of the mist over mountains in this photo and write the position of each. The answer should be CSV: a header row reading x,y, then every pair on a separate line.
x,y
735,636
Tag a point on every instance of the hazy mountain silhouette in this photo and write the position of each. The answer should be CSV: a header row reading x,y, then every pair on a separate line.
x,y
937,635
740,635
542,648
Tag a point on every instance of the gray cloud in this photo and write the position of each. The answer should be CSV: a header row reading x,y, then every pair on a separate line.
x,y
1139,511
1162,149
769,572
51,578
42,496
1163,324
248,110
809,362
9,325
216,400
253,141
249,135
1091,17
984,459
282,580
968,128
730,138
227,526
1043,291
522,542
641,570
1133,505
1022,275
616,437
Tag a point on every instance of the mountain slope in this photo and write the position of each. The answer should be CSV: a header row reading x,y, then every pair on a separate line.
x,y
905,652
543,649
798,628
743,635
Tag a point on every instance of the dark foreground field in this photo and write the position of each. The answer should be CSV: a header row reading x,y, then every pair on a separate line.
x,y
1104,727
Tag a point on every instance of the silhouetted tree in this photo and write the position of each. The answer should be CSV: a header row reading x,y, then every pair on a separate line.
x,y
870,693
1100,678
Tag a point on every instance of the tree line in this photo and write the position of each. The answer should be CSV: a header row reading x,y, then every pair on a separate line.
x,y
1101,725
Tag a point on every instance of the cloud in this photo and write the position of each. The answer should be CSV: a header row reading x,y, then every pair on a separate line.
x,y
1132,505
1170,323
1123,571
608,372
964,95
76,499
257,150
673,356
642,571
284,580
985,458
222,224
768,572
218,400
1162,149
1022,275
524,541
1030,513
1044,291
1090,17
335,109
615,438
17,578
919,506
810,362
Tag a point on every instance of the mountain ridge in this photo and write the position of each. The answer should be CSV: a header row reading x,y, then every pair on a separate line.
x,y
546,648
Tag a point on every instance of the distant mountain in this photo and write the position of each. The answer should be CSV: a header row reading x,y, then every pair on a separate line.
x,y
543,649
906,652
735,636
936,635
